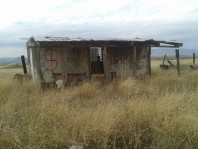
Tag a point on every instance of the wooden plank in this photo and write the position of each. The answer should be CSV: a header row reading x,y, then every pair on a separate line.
x,y
170,63
149,60
178,64
164,59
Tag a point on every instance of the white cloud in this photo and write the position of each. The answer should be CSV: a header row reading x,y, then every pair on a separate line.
x,y
164,19
80,11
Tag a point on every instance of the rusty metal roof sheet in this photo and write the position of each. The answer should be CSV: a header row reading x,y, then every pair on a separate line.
x,y
51,38
110,41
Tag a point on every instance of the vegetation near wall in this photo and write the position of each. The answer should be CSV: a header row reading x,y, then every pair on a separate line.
x,y
160,111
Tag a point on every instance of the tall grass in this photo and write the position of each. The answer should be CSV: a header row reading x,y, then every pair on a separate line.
x,y
160,111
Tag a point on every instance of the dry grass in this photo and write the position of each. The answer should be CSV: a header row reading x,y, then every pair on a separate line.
x,y
156,112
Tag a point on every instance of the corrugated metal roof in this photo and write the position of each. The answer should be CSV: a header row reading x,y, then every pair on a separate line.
x,y
50,38
152,42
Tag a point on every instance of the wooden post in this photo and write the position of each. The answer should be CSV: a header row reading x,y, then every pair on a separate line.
x,y
23,64
193,59
178,65
164,59
149,60
134,61
89,61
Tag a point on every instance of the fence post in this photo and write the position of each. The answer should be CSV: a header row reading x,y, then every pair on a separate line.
x,y
23,64
178,64
193,59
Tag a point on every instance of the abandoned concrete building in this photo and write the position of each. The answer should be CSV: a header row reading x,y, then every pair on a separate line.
x,y
49,57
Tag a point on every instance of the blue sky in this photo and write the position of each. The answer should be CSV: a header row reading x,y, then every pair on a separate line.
x,y
157,19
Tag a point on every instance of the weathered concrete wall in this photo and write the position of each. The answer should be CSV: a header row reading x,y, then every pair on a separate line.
x,y
33,60
28,62
119,62
62,60
141,63
33,65
125,62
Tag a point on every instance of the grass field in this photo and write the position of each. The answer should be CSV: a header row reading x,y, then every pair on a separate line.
x,y
160,111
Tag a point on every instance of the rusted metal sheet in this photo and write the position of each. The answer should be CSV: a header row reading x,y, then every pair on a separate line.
x,y
105,42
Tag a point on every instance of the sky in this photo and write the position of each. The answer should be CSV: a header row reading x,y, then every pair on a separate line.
x,y
153,19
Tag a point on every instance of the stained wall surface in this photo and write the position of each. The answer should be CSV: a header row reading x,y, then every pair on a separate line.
x,y
33,64
123,62
62,60
118,62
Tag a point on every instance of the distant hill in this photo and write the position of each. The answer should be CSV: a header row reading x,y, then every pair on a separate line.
x,y
8,60
11,66
155,52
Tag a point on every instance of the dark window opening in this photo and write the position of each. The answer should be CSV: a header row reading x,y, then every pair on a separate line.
x,y
96,60
95,54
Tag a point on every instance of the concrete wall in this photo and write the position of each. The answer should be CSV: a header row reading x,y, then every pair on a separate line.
x,y
120,61
33,65
33,60
125,62
60,60
142,63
